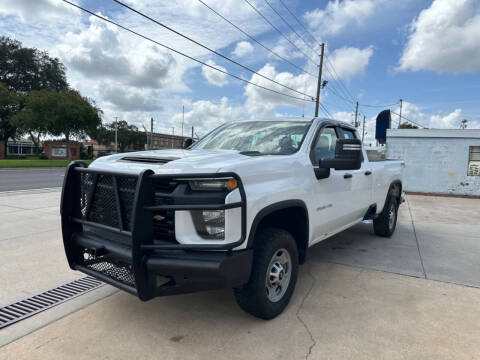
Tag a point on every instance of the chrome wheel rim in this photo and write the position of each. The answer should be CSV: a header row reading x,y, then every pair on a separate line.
x,y
391,217
279,273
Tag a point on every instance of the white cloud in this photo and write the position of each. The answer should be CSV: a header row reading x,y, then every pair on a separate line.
x,y
205,115
349,61
449,120
412,112
214,77
261,103
286,50
99,52
338,15
130,99
444,38
243,48
28,10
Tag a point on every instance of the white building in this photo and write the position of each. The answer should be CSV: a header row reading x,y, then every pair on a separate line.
x,y
442,161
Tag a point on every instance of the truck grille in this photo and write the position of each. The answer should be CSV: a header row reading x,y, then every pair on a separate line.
x,y
98,203
98,199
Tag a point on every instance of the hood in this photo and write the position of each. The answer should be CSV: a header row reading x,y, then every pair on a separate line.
x,y
174,161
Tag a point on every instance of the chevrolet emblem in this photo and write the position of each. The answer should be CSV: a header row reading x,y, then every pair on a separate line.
x,y
159,217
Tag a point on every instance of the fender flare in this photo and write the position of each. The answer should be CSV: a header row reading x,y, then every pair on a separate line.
x,y
394,183
271,209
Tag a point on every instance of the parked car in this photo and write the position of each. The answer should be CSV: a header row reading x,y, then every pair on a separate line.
x,y
240,208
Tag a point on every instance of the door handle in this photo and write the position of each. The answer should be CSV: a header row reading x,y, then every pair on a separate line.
x,y
347,176
368,172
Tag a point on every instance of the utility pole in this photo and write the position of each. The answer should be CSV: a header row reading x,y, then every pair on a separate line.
x,y
192,132
183,118
356,115
173,134
151,134
400,121
319,84
116,134
363,130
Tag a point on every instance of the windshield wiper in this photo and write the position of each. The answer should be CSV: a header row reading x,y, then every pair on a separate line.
x,y
251,153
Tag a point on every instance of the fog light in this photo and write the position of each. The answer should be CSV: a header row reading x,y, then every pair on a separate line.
x,y
214,222
210,224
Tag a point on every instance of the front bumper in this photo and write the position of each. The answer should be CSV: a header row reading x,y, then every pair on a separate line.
x,y
166,272
108,233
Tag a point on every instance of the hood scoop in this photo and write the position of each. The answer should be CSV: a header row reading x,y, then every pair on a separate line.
x,y
147,159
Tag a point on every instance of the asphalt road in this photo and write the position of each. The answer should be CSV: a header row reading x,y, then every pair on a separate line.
x,y
23,179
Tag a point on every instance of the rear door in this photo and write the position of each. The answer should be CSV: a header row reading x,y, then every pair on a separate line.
x,y
360,184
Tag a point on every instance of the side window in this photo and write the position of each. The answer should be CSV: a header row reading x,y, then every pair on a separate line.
x,y
348,134
325,144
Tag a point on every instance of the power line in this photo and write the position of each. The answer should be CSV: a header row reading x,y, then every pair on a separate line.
x,y
183,54
380,106
290,26
341,90
299,22
207,48
280,32
256,41
329,63
325,110
335,92
403,117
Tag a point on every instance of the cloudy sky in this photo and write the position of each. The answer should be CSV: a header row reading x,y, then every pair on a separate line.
x,y
378,51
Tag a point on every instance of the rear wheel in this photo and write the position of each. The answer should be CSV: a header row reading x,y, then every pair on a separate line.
x,y
274,274
384,225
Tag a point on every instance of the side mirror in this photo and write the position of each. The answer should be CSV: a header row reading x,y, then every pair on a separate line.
x,y
348,156
187,143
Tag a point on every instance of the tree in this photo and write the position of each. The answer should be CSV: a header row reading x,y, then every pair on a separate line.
x,y
127,135
36,115
9,103
463,124
25,69
57,113
22,70
407,125
74,115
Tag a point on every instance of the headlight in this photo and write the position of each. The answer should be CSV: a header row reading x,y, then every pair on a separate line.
x,y
210,224
213,184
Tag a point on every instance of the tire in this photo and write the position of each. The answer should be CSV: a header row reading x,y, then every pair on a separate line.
x,y
267,298
384,225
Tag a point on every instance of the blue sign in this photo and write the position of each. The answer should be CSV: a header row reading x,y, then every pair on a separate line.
x,y
384,121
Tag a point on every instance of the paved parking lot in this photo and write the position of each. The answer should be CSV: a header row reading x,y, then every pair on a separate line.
x,y
416,295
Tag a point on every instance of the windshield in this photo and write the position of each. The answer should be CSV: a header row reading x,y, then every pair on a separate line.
x,y
257,137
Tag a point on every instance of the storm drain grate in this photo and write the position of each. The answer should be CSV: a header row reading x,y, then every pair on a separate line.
x,y
34,304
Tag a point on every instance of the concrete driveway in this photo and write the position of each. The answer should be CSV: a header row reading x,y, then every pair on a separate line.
x,y
415,295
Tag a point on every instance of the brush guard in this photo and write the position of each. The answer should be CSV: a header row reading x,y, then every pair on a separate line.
x,y
109,232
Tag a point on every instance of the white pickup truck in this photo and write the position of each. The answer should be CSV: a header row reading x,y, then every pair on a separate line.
x,y
238,209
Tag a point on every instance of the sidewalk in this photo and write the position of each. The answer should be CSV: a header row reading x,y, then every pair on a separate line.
x,y
32,257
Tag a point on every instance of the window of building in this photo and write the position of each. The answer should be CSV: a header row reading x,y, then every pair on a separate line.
x,y
474,161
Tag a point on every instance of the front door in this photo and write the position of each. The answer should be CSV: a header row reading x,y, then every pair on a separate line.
x,y
330,195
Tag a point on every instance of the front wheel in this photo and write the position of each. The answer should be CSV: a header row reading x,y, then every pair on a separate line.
x,y
274,274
